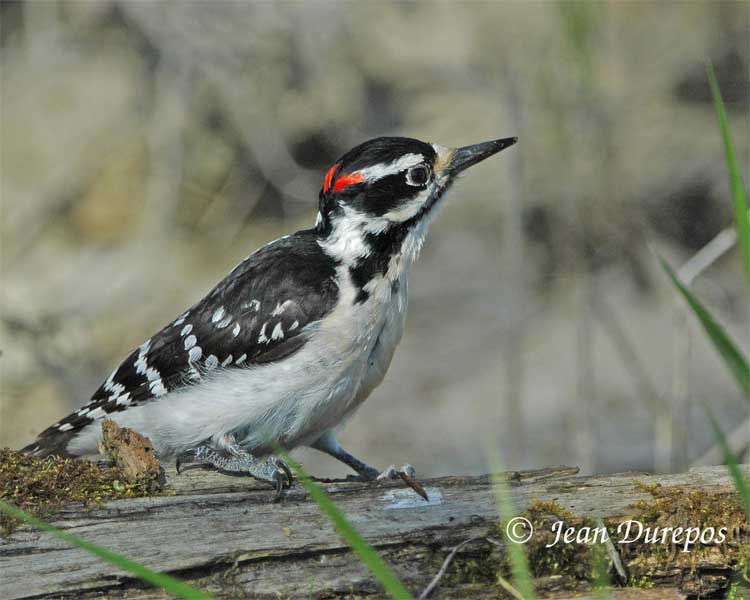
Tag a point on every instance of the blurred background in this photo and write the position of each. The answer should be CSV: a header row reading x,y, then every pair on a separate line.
x,y
148,147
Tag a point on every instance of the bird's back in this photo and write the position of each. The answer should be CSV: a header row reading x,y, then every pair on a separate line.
x,y
257,315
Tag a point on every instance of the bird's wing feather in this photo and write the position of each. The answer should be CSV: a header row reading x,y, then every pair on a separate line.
x,y
255,315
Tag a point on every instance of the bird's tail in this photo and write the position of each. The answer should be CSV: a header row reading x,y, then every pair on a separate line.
x,y
49,443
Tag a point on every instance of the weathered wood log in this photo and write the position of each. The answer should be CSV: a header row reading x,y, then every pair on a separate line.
x,y
226,535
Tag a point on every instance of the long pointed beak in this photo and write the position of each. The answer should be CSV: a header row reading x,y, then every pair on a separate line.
x,y
465,157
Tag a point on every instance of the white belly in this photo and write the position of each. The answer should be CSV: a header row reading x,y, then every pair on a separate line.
x,y
292,401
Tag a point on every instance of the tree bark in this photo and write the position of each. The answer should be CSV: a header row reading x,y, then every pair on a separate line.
x,y
225,535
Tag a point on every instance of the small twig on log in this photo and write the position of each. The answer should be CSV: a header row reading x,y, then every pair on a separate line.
x,y
435,580
613,554
505,584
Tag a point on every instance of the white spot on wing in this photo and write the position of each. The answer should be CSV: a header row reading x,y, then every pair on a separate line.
x,y
181,319
141,363
97,413
115,388
195,354
218,315
185,330
224,322
124,400
253,305
157,388
278,332
280,308
241,359
236,330
262,339
212,362
294,326
190,341
227,361
65,427
111,378
152,374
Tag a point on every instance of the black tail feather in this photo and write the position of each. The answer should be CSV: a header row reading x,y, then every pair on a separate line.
x,y
47,445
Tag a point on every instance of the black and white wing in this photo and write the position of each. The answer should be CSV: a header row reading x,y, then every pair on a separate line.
x,y
255,315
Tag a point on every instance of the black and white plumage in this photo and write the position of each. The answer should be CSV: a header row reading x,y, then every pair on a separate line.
x,y
254,316
291,342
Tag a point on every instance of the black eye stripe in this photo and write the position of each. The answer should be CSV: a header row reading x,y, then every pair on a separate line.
x,y
385,194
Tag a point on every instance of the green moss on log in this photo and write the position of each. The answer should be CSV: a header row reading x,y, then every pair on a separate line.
x,y
648,565
43,486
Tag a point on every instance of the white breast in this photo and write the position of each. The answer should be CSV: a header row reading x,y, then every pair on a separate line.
x,y
385,346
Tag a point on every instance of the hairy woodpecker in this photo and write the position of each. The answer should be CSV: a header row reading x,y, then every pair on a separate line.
x,y
295,338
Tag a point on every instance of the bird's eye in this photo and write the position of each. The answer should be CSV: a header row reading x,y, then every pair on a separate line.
x,y
418,175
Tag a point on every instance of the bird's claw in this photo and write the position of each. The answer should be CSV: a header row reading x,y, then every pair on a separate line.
x,y
392,472
407,474
188,457
287,471
272,469
280,476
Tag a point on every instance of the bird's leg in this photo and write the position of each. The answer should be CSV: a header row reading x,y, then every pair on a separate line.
x,y
328,444
232,458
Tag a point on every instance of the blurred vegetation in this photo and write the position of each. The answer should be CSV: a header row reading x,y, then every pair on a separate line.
x,y
149,147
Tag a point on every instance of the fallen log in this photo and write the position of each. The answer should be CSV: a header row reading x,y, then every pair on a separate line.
x,y
226,536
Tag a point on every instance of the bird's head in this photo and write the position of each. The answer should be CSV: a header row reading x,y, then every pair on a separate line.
x,y
382,193
392,181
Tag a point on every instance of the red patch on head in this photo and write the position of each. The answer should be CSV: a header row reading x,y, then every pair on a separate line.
x,y
329,177
346,180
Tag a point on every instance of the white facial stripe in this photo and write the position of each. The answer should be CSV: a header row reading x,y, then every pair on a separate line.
x,y
392,168
346,238
408,209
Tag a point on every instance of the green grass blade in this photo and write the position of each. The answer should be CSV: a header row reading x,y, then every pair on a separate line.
x,y
733,357
600,570
736,184
519,564
741,482
167,583
367,554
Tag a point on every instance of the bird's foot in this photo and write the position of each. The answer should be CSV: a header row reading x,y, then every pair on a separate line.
x,y
275,471
367,473
407,474
392,472
199,457
270,469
